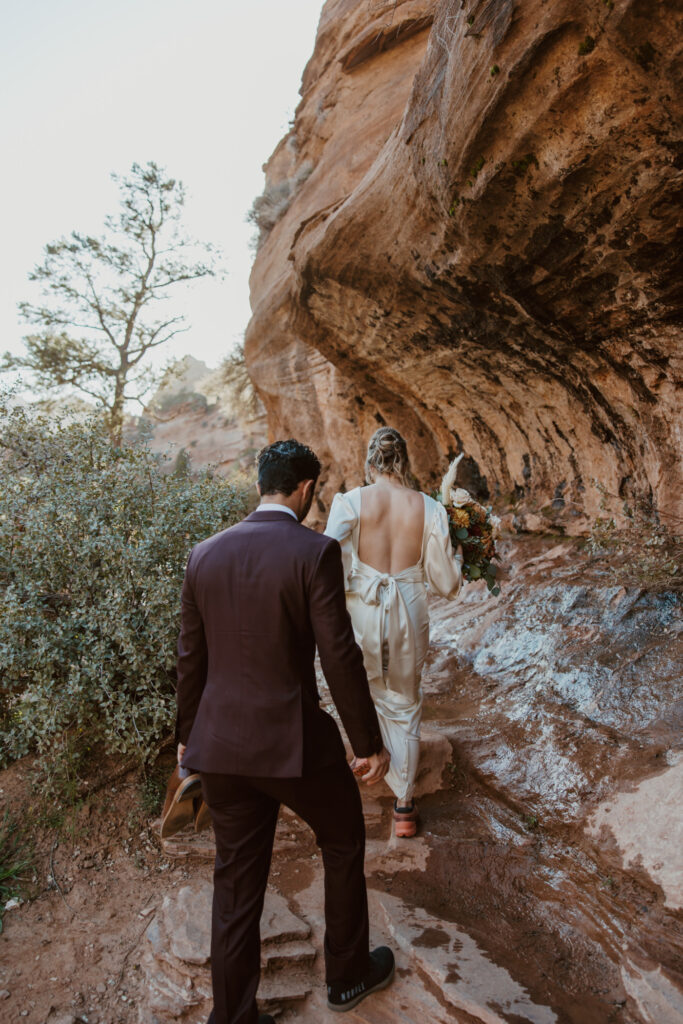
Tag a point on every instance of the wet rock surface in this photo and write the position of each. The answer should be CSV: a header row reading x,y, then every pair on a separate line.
x,y
480,246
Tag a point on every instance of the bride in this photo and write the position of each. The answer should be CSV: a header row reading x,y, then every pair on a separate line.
x,y
394,541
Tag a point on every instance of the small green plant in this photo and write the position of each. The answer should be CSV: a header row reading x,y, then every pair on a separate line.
x,y
494,70
14,862
470,19
530,822
475,168
586,46
453,207
456,776
152,790
443,163
520,167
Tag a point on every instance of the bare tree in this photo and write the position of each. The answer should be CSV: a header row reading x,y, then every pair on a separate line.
x,y
105,299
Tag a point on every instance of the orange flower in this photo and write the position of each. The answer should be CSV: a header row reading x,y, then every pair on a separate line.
x,y
459,517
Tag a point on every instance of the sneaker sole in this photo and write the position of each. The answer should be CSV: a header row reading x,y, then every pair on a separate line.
x,y
359,999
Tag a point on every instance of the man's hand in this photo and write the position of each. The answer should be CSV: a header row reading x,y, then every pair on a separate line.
x,y
181,751
378,765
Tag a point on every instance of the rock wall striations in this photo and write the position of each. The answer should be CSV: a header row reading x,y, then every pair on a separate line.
x,y
476,239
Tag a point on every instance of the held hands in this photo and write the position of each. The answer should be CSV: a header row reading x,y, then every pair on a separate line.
x,y
371,769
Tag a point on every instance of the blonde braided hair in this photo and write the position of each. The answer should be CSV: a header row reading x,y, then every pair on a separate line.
x,y
388,454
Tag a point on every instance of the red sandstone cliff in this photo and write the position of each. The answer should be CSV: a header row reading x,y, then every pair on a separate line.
x,y
470,232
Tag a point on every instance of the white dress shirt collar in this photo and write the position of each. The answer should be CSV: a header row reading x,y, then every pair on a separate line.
x,y
272,506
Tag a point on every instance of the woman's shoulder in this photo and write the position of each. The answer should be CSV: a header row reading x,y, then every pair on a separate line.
x,y
351,496
346,502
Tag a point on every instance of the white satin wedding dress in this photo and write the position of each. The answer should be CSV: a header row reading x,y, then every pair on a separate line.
x,y
390,619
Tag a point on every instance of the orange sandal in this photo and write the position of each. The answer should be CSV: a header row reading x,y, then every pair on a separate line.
x,y
405,821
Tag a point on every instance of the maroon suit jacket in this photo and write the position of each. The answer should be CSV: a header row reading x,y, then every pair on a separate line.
x,y
257,599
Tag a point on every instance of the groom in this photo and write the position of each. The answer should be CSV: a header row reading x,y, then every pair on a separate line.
x,y
257,600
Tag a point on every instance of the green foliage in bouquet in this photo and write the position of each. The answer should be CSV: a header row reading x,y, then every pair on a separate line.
x,y
471,525
94,538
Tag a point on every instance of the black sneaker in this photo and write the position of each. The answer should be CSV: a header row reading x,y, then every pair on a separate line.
x,y
344,996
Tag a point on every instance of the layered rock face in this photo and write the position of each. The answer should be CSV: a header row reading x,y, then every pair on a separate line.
x,y
478,244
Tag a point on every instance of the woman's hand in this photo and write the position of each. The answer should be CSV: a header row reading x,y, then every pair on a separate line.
x,y
181,751
378,765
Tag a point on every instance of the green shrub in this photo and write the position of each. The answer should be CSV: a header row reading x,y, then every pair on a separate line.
x,y
93,544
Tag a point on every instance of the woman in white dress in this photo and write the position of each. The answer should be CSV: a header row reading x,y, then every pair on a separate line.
x,y
395,542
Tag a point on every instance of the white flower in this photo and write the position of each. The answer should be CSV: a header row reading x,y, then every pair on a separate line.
x,y
495,524
460,497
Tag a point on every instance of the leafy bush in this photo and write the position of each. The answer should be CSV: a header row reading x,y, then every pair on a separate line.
x,y
93,543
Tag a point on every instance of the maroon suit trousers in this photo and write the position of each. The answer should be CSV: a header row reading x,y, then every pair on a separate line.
x,y
244,811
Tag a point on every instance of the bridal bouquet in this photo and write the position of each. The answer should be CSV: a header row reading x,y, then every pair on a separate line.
x,y
473,526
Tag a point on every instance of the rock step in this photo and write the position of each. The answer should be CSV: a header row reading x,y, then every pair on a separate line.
x,y
274,992
286,954
166,999
278,923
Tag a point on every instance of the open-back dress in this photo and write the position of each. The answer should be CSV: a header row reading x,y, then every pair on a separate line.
x,y
390,619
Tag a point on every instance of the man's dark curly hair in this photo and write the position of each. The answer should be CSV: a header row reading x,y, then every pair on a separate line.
x,y
283,465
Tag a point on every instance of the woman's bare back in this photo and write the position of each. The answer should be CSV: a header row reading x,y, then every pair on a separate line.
x,y
391,527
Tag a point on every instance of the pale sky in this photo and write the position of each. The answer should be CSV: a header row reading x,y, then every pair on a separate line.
x,y
203,87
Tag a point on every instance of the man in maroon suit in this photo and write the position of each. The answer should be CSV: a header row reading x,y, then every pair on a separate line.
x,y
257,600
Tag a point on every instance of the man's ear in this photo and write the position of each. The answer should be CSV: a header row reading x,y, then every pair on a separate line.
x,y
307,489
258,488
